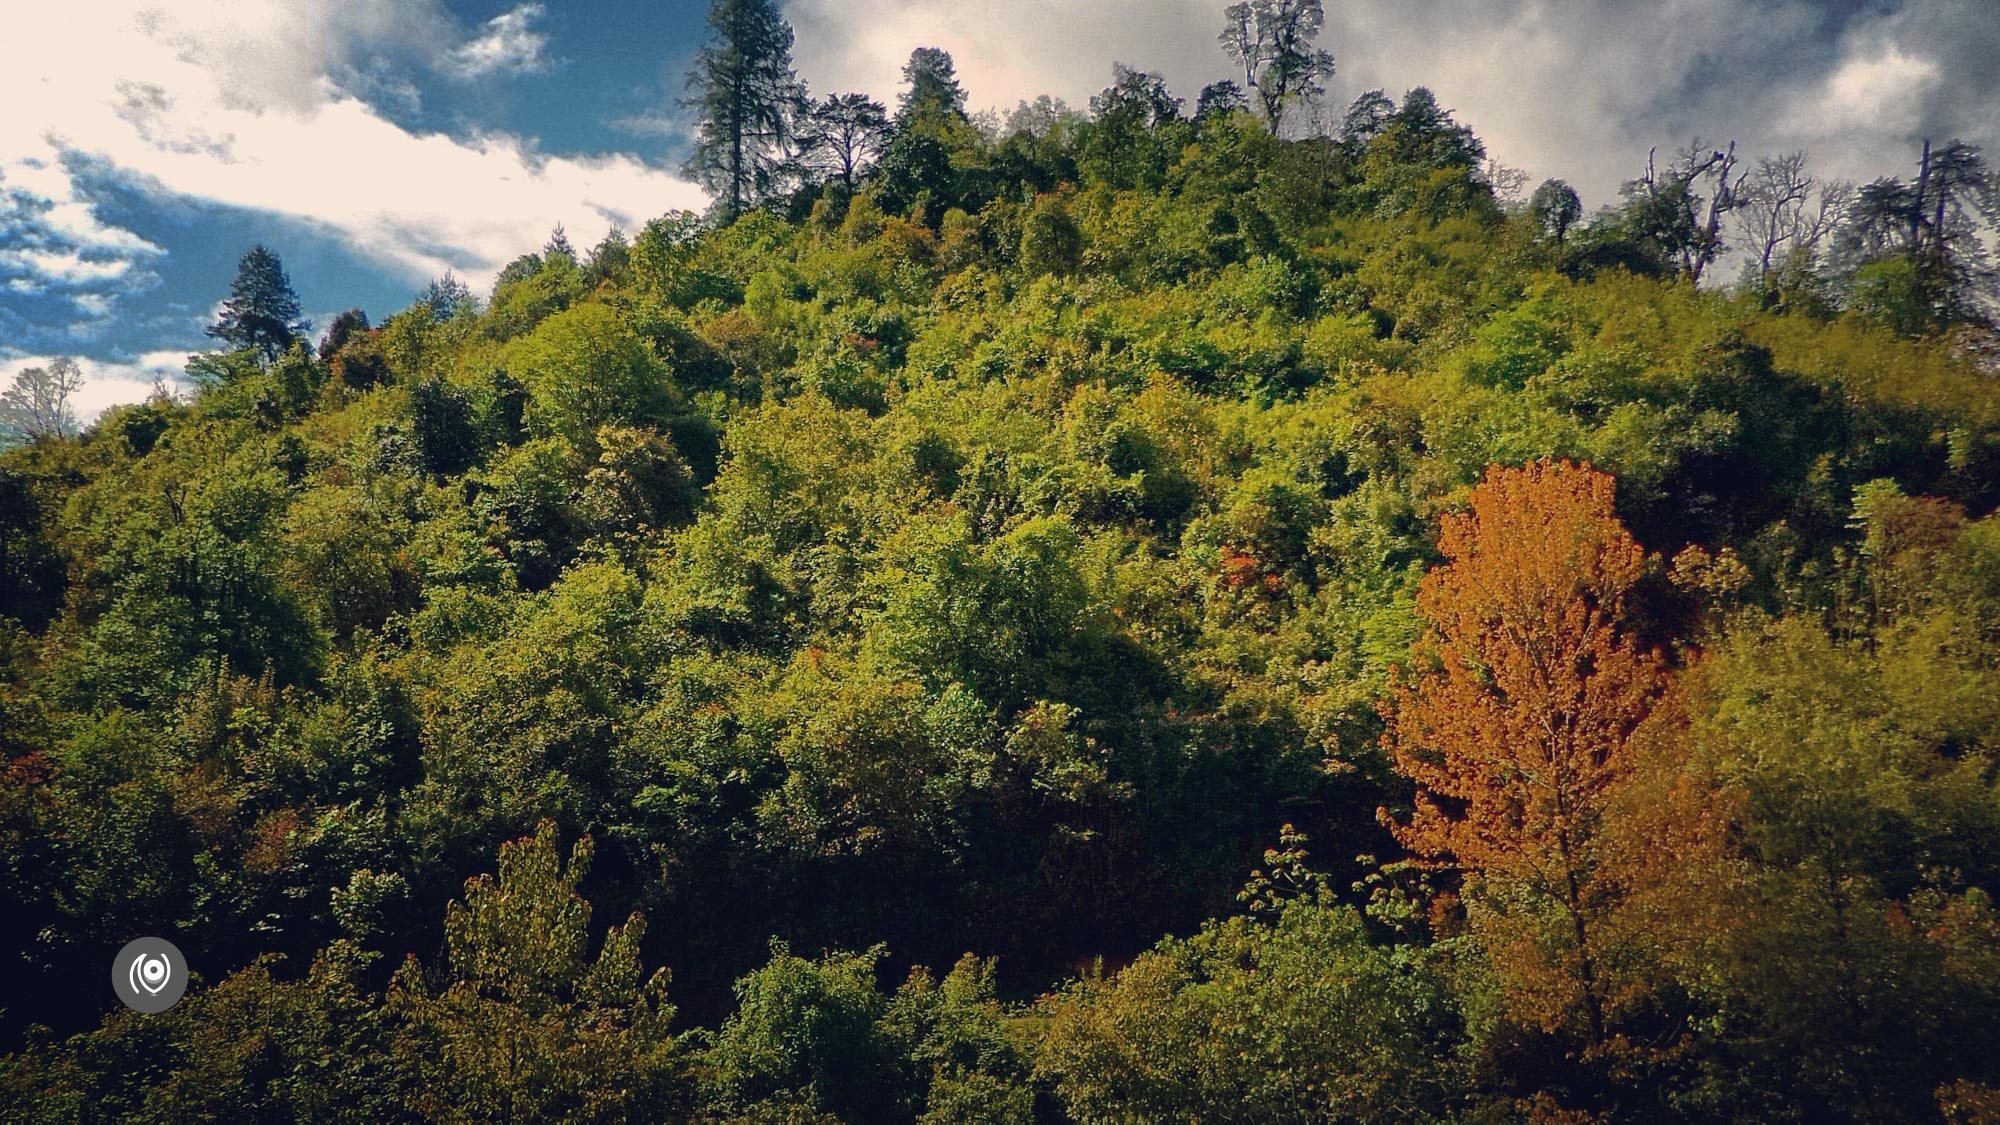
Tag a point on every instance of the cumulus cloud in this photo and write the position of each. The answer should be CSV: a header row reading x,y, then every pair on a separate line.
x,y
52,242
1915,69
251,55
64,267
510,44
254,106
1879,90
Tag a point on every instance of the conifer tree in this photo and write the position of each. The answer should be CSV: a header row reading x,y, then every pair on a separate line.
x,y
262,311
1922,263
445,296
931,90
748,97
917,164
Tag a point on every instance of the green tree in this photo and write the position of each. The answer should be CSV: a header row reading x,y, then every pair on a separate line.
x,y
524,1025
262,311
31,567
1006,618
963,1061
930,89
340,559
346,327
1555,208
1422,162
747,98
445,296
1300,1017
1671,219
584,368
1919,255
841,137
1273,41
804,1035
1367,115
1130,141
1861,773
1219,99
442,422
1051,242
532,288
924,162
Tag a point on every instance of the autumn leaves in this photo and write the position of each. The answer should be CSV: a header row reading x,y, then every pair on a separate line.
x,y
1524,712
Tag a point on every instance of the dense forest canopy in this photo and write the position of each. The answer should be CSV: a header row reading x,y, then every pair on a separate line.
x,y
1230,612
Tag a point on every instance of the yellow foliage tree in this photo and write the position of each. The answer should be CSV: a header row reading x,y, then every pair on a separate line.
x,y
1518,720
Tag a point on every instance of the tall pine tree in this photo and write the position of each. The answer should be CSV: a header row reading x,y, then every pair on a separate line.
x,y
262,311
744,88
931,89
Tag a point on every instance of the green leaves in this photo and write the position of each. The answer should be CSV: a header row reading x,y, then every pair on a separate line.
x,y
584,368
521,937
262,312
1300,1018
1004,618
524,1024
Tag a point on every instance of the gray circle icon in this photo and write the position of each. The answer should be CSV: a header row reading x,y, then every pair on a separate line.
x,y
149,974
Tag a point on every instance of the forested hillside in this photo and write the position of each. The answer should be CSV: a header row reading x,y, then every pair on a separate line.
x,y
1154,614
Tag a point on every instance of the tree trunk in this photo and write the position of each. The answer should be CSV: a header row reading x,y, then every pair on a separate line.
x,y
1917,208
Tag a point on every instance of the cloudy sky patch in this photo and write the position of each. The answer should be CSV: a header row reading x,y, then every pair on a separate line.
x,y
510,45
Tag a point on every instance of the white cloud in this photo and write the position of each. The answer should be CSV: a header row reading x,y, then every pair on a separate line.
x,y
422,203
63,267
510,45
252,54
107,383
52,240
657,123
244,105
1882,90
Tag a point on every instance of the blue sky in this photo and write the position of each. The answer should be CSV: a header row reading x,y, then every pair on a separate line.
x,y
114,249
375,143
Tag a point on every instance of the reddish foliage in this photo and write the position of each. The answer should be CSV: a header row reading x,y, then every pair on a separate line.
x,y
1517,720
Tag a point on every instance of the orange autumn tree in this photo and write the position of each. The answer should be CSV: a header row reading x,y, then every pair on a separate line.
x,y
1517,722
